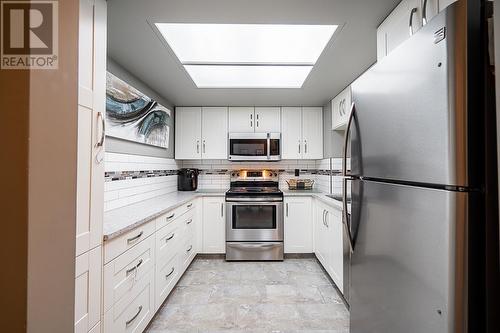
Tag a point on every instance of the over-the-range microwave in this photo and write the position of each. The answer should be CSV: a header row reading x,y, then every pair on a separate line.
x,y
254,147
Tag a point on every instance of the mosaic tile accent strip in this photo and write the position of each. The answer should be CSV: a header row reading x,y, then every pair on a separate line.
x,y
122,175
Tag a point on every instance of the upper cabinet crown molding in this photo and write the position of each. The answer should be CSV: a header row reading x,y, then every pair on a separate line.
x,y
405,20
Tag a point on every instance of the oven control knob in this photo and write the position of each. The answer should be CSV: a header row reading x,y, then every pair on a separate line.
x,y
238,174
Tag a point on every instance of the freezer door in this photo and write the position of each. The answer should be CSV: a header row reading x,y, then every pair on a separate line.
x,y
404,276
409,123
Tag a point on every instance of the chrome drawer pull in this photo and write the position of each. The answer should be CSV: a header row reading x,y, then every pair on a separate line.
x,y
133,239
190,248
171,272
190,205
169,238
128,322
171,216
189,221
128,271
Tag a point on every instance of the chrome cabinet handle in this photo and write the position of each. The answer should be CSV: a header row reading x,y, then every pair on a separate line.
x,y
222,209
190,205
128,271
190,248
171,216
169,238
100,143
204,147
299,146
128,322
326,219
305,146
197,146
251,119
413,11
133,239
189,221
171,272
424,13
287,209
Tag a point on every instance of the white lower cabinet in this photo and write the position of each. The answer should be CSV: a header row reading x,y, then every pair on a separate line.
x,y
328,241
298,225
142,268
88,271
214,225
133,313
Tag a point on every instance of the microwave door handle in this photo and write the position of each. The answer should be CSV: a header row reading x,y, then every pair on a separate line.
x,y
268,146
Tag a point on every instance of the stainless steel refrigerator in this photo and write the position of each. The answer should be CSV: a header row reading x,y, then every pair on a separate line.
x,y
413,185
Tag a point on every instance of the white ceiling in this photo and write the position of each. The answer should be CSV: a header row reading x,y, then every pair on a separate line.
x,y
137,46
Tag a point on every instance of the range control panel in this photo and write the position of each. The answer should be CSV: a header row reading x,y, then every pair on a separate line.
x,y
254,175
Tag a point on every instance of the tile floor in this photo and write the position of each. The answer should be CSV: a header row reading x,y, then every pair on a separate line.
x,y
246,297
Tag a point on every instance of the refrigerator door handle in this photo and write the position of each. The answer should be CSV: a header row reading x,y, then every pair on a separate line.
x,y
346,177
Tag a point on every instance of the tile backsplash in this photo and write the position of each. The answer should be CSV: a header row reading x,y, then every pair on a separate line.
x,y
133,178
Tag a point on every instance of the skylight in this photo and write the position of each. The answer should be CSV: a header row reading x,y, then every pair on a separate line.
x,y
247,55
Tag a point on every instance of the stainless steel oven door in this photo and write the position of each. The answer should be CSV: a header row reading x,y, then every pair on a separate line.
x,y
254,221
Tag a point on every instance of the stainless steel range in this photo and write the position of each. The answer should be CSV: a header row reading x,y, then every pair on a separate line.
x,y
254,219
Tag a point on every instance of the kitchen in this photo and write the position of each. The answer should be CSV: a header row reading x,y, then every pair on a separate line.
x,y
281,166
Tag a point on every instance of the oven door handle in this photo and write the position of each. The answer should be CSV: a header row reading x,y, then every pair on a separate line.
x,y
262,199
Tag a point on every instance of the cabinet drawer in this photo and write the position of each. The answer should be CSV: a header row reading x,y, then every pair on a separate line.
x,y
167,275
187,251
133,314
121,274
171,216
187,225
88,270
119,245
167,241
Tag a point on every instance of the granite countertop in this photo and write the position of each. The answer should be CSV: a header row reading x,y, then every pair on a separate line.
x,y
123,219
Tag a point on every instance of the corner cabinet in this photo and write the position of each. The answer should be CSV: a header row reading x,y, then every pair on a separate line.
x,y
341,105
298,226
201,133
302,132
405,20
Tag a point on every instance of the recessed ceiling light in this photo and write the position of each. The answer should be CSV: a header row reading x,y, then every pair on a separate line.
x,y
247,43
231,76
239,49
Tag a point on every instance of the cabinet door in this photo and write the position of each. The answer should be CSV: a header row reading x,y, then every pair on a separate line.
x,y
88,270
291,136
91,110
298,225
267,120
214,133
335,246
241,119
319,234
214,225
340,109
188,133
396,27
312,132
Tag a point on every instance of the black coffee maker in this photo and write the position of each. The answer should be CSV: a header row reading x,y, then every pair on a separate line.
x,y
187,180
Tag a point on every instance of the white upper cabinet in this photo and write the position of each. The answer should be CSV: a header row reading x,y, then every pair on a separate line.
x,y
188,133
267,119
241,119
404,20
214,132
200,133
341,106
312,132
291,137
298,225
302,133
258,120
